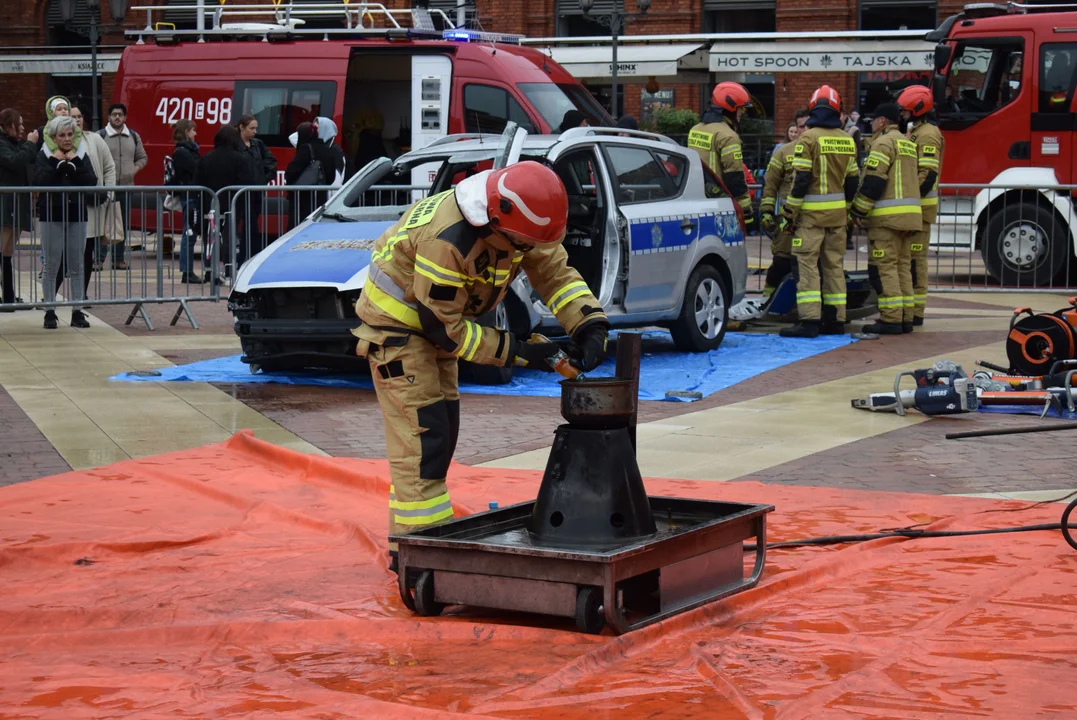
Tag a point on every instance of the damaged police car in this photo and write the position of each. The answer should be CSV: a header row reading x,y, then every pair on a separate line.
x,y
651,230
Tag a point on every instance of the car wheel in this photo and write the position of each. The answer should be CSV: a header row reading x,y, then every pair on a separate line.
x,y
704,314
508,315
1024,246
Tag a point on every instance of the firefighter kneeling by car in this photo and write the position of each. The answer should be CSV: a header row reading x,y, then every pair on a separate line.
x,y
450,259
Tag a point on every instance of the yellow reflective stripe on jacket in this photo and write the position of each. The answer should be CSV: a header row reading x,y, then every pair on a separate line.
x,y
896,206
732,150
829,201
391,306
387,252
802,164
863,204
438,274
926,162
567,294
472,340
929,201
878,157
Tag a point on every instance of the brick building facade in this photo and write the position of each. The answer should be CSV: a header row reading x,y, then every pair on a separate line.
x,y
30,26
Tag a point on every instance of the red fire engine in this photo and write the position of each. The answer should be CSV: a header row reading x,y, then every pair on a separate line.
x,y
380,69
1004,90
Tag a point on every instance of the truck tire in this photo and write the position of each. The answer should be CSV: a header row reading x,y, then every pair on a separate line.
x,y
508,315
704,316
1024,245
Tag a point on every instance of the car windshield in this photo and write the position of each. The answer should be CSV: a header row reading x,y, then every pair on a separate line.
x,y
553,101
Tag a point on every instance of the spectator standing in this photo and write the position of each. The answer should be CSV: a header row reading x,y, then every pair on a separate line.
x,y
17,158
312,165
800,119
327,133
225,165
55,105
264,171
104,168
130,157
850,126
627,122
185,157
573,118
62,214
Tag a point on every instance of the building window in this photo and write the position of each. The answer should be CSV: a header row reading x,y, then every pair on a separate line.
x,y
898,15
571,22
74,33
739,16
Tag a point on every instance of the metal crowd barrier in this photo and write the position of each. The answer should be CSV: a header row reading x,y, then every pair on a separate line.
x,y
116,245
988,238
258,215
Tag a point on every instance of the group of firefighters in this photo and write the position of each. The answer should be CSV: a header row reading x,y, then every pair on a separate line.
x,y
814,190
452,256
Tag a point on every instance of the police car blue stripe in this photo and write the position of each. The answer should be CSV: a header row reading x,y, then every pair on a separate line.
x,y
321,253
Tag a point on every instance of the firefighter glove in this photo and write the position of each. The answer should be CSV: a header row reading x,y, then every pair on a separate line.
x,y
589,346
536,355
787,224
768,223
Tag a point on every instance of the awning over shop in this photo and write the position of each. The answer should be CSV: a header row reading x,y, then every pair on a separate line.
x,y
829,56
633,61
60,65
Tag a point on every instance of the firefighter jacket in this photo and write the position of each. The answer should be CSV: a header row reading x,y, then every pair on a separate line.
x,y
929,149
778,179
718,144
824,160
889,195
433,272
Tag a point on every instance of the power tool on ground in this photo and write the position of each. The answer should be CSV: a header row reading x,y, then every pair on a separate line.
x,y
943,389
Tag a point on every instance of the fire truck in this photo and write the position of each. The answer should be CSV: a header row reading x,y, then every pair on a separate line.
x,y
1004,91
408,75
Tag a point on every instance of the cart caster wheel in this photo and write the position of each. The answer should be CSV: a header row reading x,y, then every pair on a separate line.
x,y
589,615
425,604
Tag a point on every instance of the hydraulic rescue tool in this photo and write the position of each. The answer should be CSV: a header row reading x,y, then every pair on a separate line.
x,y
943,389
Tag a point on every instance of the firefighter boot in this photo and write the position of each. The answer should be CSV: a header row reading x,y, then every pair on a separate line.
x,y
831,325
803,329
883,328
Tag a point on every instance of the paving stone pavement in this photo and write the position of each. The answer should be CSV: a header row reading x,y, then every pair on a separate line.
x,y
25,454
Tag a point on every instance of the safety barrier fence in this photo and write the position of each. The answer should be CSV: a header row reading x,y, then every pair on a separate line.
x,y
141,245
987,238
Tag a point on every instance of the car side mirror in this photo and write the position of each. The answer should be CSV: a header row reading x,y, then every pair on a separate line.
x,y
943,53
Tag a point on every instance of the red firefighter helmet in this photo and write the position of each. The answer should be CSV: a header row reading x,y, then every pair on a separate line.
x,y
528,202
730,96
917,100
825,96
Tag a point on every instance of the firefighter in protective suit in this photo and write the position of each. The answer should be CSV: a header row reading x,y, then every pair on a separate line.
x,y
718,144
824,160
777,181
450,259
917,103
888,202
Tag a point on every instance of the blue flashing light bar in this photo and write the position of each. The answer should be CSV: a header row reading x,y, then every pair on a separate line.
x,y
462,35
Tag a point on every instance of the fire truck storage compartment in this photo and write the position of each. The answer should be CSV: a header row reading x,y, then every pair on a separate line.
x,y
379,85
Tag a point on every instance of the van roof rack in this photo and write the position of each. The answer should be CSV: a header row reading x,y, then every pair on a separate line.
x,y
586,130
995,9
285,19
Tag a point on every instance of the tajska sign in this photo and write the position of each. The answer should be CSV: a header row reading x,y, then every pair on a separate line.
x,y
880,56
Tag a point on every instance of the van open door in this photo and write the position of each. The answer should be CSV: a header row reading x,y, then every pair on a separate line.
x,y
430,91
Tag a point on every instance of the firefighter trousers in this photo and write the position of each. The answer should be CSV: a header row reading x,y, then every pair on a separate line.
x,y
819,252
890,270
417,390
918,250
781,263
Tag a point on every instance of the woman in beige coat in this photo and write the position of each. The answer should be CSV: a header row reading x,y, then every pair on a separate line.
x,y
105,169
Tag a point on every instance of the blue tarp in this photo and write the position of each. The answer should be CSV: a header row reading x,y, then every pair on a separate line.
x,y
662,370
1036,410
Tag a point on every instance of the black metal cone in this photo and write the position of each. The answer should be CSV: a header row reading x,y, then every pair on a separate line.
x,y
592,493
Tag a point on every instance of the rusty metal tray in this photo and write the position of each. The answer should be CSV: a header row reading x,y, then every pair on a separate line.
x,y
490,560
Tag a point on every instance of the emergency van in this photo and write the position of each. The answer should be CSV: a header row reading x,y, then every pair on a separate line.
x,y
1004,94
385,72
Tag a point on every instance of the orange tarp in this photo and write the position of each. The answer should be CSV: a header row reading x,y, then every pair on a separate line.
x,y
244,580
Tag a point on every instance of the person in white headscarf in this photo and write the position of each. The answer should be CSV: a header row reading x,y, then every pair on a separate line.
x,y
327,133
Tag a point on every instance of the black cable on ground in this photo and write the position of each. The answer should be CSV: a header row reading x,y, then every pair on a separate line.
x,y
913,533
1010,431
